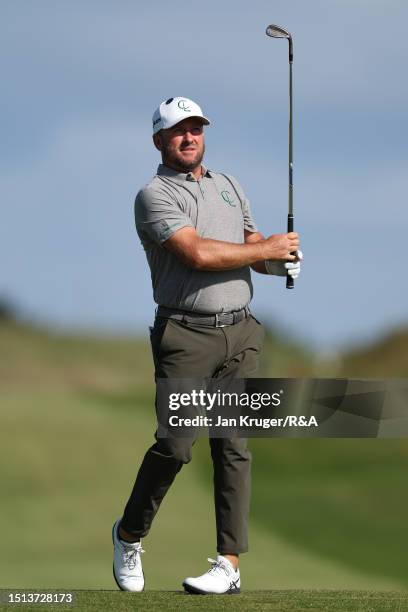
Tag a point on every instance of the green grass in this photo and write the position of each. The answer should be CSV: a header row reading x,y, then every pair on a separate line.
x,y
344,500
250,601
68,465
76,418
384,357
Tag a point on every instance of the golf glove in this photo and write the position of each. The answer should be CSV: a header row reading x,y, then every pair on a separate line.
x,y
281,268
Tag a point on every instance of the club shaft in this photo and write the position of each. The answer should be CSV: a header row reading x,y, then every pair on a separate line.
x,y
290,141
290,283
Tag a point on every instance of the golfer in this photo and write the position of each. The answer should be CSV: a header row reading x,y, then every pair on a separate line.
x,y
200,240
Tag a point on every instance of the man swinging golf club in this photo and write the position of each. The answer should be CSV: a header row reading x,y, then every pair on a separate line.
x,y
200,240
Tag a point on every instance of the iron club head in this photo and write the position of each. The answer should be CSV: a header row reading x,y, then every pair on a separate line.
x,y
277,32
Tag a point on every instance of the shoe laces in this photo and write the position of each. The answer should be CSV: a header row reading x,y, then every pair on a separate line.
x,y
217,567
130,555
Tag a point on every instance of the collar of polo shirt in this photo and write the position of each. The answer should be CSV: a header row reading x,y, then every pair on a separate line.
x,y
180,177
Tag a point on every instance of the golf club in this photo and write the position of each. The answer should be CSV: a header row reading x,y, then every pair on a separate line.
x,y
277,32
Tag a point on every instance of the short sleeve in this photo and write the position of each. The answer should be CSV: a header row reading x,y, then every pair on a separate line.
x,y
158,215
249,223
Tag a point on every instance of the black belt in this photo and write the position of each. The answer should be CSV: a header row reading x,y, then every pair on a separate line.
x,y
217,320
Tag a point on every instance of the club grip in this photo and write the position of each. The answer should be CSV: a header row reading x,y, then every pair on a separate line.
x,y
290,283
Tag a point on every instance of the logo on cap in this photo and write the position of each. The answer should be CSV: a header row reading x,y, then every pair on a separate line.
x,y
183,105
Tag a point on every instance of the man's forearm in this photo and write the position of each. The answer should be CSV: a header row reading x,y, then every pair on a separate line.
x,y
212,255
218,255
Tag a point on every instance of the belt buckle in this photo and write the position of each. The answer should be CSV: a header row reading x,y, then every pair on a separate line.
x,y
223,314
217,321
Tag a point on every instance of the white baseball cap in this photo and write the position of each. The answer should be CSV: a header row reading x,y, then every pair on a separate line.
x,y
173,111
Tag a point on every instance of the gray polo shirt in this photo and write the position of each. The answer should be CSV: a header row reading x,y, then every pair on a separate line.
x,y
217,208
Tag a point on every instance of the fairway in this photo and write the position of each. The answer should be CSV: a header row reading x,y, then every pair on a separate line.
x,y
331,601
76,420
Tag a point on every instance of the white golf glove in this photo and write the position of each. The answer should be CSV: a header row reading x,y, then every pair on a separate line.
x,y
281,268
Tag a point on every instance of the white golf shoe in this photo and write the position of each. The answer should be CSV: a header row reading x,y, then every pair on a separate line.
x,y
220,578
127,564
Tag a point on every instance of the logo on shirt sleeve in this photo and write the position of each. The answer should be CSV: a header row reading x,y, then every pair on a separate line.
x,y
166,229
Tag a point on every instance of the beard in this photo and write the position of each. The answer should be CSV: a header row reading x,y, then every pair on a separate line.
x,y
173,159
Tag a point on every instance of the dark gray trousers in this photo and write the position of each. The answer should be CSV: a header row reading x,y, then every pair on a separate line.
x,y
182,350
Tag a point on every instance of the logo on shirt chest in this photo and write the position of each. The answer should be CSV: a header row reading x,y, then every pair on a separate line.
x,y
227,197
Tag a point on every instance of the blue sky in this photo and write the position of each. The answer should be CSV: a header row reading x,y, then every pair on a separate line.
x,y
81,79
